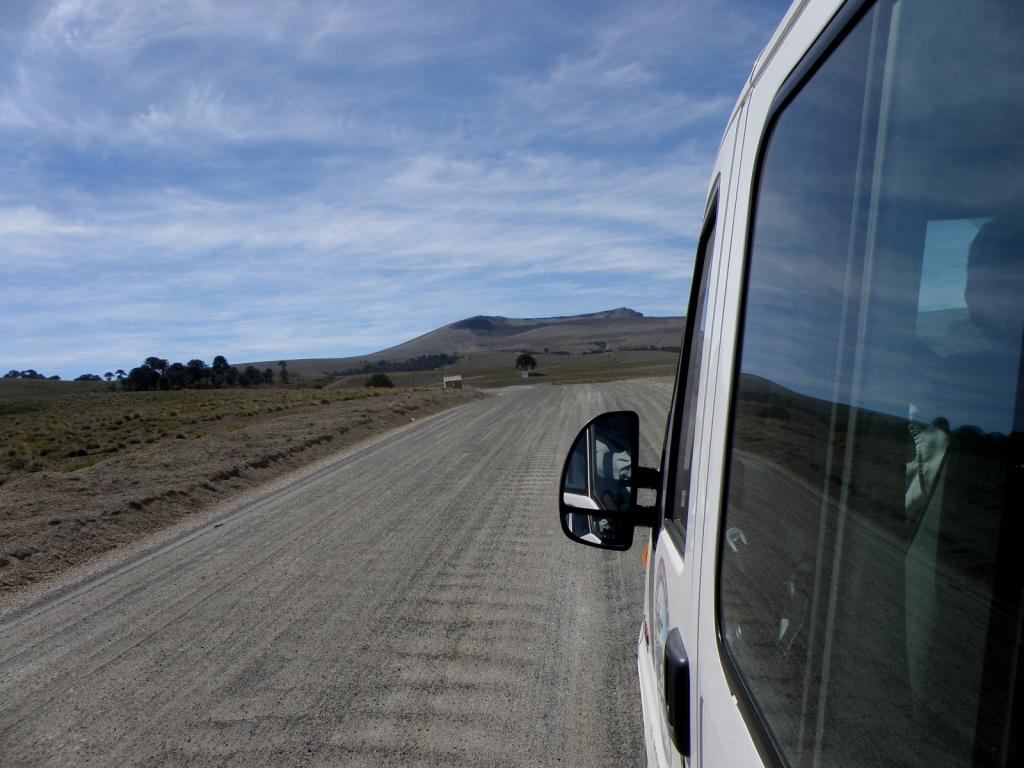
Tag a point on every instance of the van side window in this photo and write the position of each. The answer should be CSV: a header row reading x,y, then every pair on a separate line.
x,y
690,366
869,584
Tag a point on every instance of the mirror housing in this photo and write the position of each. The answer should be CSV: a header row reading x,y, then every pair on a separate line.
x,y
597,496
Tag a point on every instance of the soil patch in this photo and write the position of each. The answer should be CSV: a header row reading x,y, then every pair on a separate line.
x,y
55,514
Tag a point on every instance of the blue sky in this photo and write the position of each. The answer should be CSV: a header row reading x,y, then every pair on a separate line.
x,y
263,180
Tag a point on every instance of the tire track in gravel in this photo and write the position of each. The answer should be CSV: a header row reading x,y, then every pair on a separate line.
x,y
412,603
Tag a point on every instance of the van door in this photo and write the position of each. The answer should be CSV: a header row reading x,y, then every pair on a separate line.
x,y
672,601
863,605
667,660
779,425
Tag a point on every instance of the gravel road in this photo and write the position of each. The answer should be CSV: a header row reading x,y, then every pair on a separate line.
x,y
409,603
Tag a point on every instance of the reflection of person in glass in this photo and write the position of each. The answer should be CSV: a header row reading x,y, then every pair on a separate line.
x,y
956,491
612,470
978,384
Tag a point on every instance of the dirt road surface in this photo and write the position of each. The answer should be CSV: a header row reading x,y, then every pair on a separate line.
x,y
409,603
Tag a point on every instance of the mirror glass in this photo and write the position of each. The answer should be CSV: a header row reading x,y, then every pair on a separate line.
x,y
598,477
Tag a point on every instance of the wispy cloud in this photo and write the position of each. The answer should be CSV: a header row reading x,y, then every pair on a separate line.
x,y
266,180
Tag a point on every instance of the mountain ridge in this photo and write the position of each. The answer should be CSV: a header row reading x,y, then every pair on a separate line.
x,y
621,328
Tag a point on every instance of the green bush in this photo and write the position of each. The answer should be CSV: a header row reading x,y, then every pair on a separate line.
x,y
380,380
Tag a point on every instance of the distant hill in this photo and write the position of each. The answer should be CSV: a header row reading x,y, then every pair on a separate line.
x,y
612,330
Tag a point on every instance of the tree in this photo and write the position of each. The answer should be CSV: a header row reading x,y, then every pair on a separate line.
x,y
156,363
268,376
13,374
380,380
88,377
250,376
220,372
197,371
177,375
109,376
526,362
159,365
141,379
283,365
121,374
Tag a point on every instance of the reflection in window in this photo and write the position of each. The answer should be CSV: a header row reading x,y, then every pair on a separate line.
x,y
613,465
690,381
868,585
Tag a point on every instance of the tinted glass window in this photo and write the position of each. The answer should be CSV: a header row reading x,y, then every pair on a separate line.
x,y
869,592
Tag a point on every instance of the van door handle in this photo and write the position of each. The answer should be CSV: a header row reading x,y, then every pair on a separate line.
x,y
677,692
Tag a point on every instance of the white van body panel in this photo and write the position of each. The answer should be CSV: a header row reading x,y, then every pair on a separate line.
x,y
720,736
716,706
681,570
724,737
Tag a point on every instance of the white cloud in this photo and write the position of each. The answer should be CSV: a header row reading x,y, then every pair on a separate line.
x,y
323,178
520,212
29,221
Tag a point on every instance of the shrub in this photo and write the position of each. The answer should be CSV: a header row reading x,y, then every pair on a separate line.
x,y
380,380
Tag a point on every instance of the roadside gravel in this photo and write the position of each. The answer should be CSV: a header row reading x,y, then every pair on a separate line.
x,y
409,602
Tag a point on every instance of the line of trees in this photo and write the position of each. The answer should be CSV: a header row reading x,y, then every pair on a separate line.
x,y
651,348
158,373
28,373
420,363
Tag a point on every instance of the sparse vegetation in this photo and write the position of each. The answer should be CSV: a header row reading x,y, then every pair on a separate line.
x,y
497,369
420,363
83,469
674,348
58,428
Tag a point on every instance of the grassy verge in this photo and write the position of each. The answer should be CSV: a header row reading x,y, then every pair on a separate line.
x,y
55,428
497,369
85,469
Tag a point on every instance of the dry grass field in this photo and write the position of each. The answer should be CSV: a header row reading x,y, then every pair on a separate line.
x,y
65,427
497,369
84,469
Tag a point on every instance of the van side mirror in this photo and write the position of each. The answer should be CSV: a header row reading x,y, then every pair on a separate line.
x,y
597,496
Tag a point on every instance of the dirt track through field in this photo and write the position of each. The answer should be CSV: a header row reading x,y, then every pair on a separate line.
x,y
410,603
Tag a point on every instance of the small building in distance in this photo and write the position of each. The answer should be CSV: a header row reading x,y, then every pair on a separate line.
x,y
452,382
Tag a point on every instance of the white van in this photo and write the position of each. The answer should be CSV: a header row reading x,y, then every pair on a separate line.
x,y
834,573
